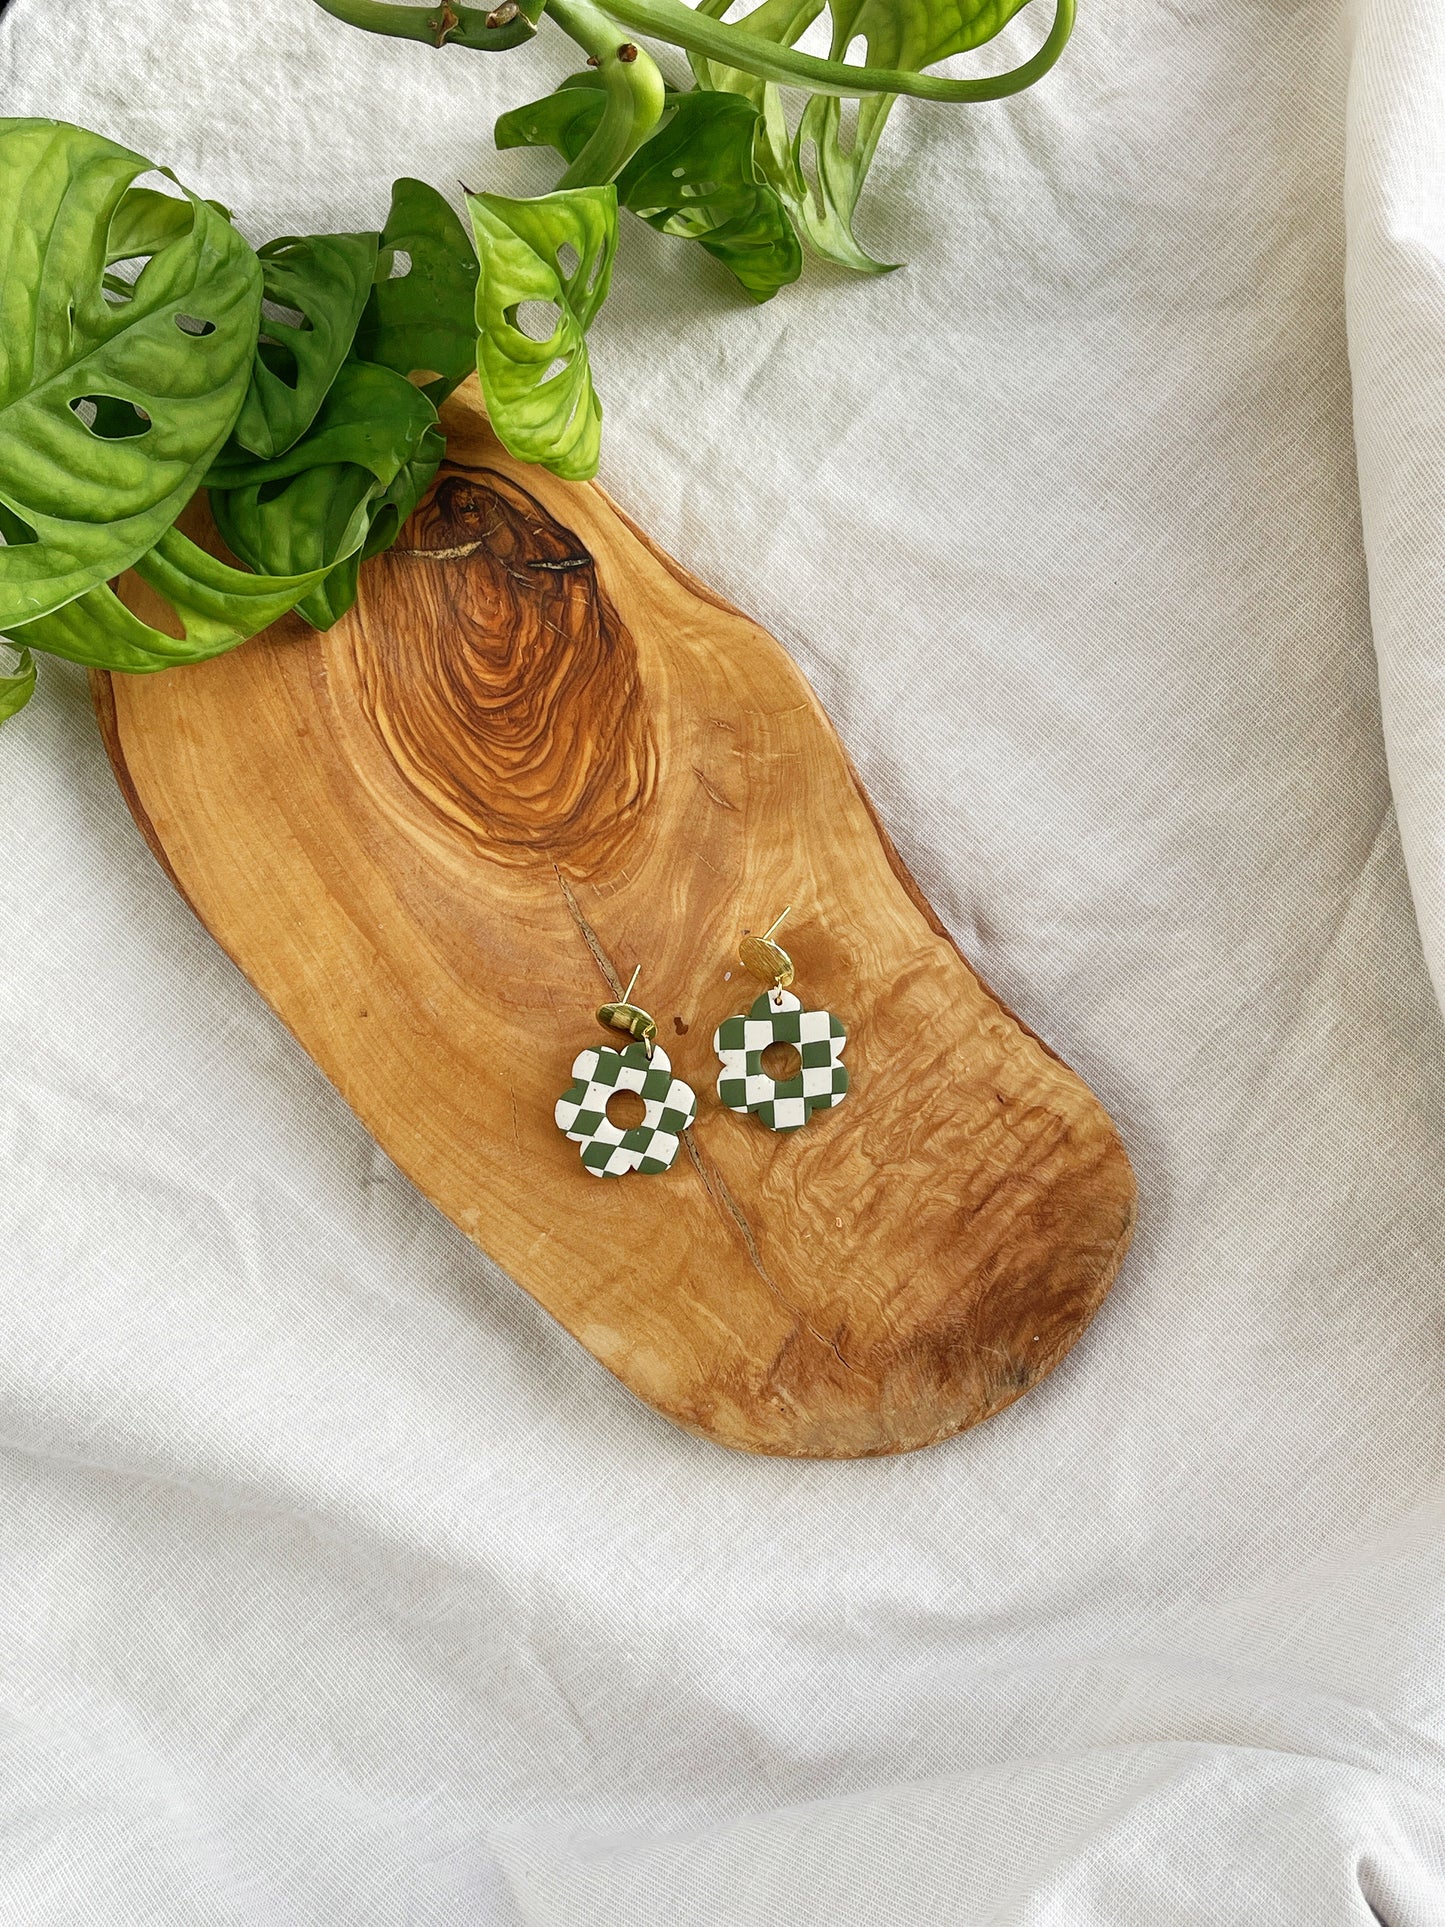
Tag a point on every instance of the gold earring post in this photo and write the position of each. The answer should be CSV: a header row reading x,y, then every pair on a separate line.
x,y
763,958
626,1016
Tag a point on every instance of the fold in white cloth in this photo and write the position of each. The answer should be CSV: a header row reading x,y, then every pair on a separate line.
x,y
338,1585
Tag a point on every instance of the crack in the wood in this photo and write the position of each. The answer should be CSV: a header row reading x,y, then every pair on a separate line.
x,y
589,935
449,555
715,794
691,1142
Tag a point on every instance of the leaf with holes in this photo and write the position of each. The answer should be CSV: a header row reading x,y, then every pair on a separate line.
x,y
776,23
17,687
697,178
112,403
340,493
539,391
420,318
315,286
818,173
907,37
831,175
779,23
217,606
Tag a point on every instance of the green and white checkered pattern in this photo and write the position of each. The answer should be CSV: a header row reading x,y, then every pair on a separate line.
x,y
779,1018
607,1151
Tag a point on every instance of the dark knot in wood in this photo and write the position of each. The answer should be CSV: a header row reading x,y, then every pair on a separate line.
x,y
514,709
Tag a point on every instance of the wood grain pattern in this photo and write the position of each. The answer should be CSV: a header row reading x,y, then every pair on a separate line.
x,y
438,836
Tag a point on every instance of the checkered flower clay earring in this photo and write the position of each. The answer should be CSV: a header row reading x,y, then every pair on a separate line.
x,y
814,1077
606,1080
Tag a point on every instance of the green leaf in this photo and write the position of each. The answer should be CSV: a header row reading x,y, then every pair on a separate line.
x,y
423,320
392,507
829,177
566,119
697,178
776,23
168,360
339,493
539,393
780,152
326,279
387,513
818,173
909,37
17,688
218,607
146,220
371,416
300,522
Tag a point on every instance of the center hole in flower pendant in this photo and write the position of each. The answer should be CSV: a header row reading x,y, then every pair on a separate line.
x,y
781,1061
626,1110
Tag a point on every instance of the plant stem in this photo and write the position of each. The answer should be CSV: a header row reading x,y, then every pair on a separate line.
x,y
635,91
444,25
675,21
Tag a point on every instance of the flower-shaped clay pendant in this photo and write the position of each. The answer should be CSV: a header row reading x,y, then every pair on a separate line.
x,y
608,1151
777,1017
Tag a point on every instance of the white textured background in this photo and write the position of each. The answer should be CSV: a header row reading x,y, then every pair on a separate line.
x,y
336,1584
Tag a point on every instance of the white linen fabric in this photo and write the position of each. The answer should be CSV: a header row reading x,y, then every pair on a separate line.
x,y
336,1584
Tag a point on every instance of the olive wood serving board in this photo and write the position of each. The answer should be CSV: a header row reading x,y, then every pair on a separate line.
x,y
437,837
